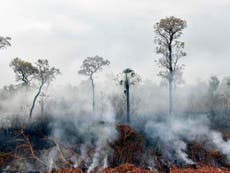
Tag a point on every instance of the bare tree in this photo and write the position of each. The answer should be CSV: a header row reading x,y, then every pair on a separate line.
x,y
168,31
23,70
127,78
90,66
45,74
4,42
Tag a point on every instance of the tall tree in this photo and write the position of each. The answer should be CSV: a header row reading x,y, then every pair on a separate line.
x,y
45,74
90,66
4,42
168,32
127,78
23,70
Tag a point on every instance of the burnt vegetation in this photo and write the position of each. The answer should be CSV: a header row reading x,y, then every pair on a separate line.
x,y
125,125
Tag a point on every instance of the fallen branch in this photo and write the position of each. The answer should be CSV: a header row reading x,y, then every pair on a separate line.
x,y
29,145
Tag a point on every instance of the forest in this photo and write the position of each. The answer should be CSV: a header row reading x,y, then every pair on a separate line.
x,y
115,123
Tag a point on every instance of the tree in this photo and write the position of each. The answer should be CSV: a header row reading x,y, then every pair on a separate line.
x,y
213,86
23,70
168,31
4,42
127,78
90,66
45,75
225,92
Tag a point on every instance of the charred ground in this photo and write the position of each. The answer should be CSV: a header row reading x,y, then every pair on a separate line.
x,y
34,147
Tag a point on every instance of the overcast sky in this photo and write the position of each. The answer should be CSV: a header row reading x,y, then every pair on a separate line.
x,y
67,31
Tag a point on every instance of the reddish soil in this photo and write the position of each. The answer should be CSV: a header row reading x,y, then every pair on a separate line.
x,y
201,169
126,168
68,170
130,168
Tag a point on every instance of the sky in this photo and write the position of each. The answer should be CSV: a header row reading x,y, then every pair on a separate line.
x,y
67,31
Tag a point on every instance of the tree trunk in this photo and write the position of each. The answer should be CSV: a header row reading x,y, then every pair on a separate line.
x,y
35,99
42,107
170,80
93,87
170,94
127,100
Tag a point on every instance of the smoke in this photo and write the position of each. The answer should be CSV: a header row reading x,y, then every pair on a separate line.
x,y
82,136
102,149
91,131
220,143
75,133
173,133
92,136
15,103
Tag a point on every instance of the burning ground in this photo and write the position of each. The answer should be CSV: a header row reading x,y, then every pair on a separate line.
x,y
75,145
69,138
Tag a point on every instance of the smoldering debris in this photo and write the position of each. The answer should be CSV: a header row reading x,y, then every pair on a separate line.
x,y
174,132
70,136
92,145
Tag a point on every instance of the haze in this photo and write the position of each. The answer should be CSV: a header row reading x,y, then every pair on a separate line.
x,y
67,31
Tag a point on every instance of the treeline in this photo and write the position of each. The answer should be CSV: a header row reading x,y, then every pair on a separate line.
x,y
146,98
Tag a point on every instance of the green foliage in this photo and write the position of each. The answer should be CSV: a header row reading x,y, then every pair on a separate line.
x,y
23,70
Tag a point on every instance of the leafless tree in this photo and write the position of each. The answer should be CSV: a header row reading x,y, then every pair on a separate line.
x,y
45,74
168,32
90,66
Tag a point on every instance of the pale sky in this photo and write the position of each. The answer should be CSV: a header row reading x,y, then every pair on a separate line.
x,y
67,31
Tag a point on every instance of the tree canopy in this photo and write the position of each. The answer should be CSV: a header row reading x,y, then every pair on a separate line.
x,y
23,70
168,31
45,73
92,65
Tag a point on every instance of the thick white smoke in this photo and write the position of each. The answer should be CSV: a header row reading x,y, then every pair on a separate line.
x,y
174,131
